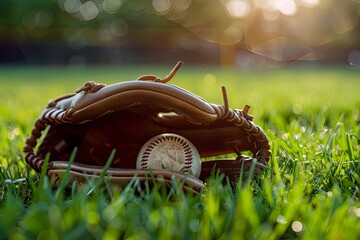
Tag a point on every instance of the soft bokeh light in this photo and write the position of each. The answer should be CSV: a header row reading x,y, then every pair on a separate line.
x,y
266,33
238,8
89,10
119,28
181,5
286,7
210,79
161,6
70,6
310,3
111,6
282,30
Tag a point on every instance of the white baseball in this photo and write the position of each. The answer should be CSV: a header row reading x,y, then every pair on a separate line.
x,y
172,152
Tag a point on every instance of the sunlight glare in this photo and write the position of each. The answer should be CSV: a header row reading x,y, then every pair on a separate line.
x,y
311,3
261,3
238,8
286,7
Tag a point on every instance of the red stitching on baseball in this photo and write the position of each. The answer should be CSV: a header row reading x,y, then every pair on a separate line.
x,y
146,155
188,157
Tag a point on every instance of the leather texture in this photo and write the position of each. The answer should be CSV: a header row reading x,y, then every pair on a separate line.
x,y
97,119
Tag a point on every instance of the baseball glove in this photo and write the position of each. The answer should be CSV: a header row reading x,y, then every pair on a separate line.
x,y
98,119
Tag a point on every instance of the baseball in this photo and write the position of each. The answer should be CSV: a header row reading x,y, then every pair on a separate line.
x,y
172,152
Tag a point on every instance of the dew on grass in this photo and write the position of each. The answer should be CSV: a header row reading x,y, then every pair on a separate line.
x,y
13,133
281,219
356,211
302,129
11,181
285,136
296,226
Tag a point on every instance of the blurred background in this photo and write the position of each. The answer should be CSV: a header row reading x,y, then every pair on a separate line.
x,y
226,33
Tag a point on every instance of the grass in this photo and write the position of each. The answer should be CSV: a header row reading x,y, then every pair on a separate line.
x,y
310,191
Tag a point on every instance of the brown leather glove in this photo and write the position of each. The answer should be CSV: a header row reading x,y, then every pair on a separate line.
x,y
123,116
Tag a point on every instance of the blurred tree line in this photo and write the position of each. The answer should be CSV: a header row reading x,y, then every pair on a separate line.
x,y
43,29
266,31
36,19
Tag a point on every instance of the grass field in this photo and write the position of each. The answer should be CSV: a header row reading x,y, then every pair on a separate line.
x,y
309,191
